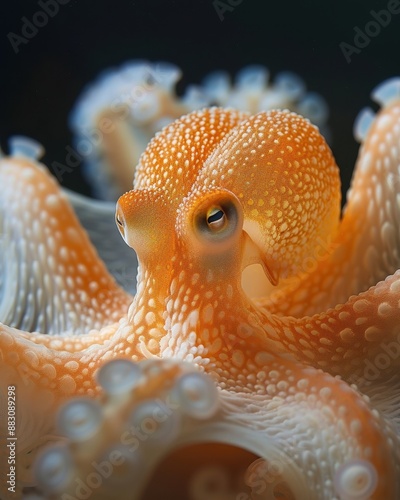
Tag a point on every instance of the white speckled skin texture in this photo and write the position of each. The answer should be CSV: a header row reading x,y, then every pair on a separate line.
x,y
216,191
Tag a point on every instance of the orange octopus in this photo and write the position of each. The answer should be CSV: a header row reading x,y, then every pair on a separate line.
x,y
219,371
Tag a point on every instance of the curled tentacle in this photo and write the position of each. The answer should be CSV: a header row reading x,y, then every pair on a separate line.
x,y
287,429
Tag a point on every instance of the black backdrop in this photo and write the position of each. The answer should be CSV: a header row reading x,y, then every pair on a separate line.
x,y
39,84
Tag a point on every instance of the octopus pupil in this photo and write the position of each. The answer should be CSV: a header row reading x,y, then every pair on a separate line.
x,y
216,216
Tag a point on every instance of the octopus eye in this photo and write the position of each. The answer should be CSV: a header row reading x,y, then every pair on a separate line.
x,y
119,221
216,219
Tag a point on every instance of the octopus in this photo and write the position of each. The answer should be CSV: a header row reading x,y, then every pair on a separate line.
x,y
259,356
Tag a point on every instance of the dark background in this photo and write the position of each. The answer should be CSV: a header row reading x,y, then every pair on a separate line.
x,y
39,85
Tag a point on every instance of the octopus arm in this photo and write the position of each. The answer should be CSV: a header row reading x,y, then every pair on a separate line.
x,y
314,429
326,418
53,280
341,339
45,371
